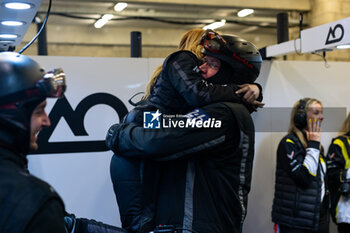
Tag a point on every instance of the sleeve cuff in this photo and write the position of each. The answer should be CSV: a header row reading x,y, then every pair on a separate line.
x,y
260,98
313,144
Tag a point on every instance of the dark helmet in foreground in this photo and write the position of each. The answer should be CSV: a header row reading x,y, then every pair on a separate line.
x,y
242,56
24,84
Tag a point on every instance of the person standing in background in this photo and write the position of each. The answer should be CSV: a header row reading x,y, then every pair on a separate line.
x,y
301,199
338,170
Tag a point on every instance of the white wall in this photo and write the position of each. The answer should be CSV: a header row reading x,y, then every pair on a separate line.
x,y
82,179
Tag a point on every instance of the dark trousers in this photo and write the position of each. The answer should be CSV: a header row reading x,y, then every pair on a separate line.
x,y
323,225
343,228
135,186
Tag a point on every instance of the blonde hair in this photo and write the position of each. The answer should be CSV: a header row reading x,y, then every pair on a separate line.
x,y
189,41
345,129
292,126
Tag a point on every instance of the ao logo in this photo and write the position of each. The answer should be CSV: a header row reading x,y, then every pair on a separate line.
x,y
75,120
334,37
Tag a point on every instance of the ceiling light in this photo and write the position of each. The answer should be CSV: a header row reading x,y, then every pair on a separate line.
x,y
245,12
8,36
107,16
100,23
120,6
344,46
103,20
17,5
37,20
215,25
12,23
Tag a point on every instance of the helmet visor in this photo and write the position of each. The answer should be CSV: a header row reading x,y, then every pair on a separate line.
x,y
53,84
212,41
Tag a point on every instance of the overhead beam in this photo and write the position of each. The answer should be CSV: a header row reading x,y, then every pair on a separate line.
x,y
298,5
289,5
168,15
325,37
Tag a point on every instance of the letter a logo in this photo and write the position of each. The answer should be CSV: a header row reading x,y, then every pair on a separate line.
x,y
331,37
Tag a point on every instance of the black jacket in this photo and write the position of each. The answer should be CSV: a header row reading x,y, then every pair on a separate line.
x,y
27,204
337,162
297,199
206,172
180,87
30,205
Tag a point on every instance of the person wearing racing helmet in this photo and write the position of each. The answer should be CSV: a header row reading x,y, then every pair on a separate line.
x,y
180,85
239,60
215,151
28,204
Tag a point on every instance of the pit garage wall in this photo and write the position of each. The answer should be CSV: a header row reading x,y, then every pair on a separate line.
x,y
82,178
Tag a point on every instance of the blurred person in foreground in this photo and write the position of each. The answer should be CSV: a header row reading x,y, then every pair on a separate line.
x,y
28,204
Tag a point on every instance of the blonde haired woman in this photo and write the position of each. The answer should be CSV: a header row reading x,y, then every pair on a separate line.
x,y
300,202
182,82
339,177
190,41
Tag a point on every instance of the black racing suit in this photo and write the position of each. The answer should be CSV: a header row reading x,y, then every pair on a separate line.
x,y
30,205
301,199
205,173
27,204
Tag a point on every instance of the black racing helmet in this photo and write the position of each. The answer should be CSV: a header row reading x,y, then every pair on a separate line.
x,y
24,84
243,57
22,78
